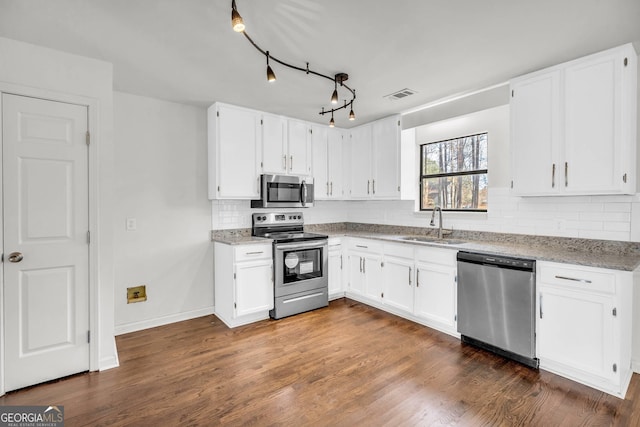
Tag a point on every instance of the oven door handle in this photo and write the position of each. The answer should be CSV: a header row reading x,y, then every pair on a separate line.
x,y
302,245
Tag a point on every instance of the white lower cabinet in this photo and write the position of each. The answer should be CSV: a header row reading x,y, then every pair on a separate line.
x,y
398,277
412,281
336,269
365,258
584,324
435,296
243,282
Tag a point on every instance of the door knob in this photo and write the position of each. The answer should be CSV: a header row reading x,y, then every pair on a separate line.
x,y
15,257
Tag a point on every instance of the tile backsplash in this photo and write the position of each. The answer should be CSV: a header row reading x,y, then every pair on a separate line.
x,y
589,217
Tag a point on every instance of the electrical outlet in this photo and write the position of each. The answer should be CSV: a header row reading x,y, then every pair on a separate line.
x,y
137,294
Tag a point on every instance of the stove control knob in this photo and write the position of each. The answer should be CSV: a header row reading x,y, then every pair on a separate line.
x,y
299,216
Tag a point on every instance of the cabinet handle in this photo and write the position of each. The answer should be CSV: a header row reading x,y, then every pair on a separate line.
x,y
417,278
362,246
284,162
409,276
540,306
566,174
360,264
255,253
331,191
553,176
291,162
374,186
258,185
327,188
340,262
368,186
364,265
573,279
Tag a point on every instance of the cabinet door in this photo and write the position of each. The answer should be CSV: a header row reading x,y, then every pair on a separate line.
x,y
298,143
356,275
319,135
335,145
238,132
397,276
576,330
435,297
593,123
385,183
254,288
535,134
335,269
372,269
361,162
273,144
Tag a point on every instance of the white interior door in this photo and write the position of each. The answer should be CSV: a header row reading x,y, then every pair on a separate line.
x,y
45,226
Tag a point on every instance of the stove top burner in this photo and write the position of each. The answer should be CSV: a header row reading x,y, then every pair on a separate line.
x,y
285,237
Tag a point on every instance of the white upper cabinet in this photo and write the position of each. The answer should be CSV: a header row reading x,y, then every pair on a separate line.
x,y
274,144
286,145
327,147
573,127
234,152
298,143
375,160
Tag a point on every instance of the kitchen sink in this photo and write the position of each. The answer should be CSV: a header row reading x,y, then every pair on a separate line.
x,y
425,239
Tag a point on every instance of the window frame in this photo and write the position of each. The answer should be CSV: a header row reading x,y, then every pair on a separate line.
x,y
422,176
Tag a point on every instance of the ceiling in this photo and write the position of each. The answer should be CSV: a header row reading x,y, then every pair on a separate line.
x,y
185,51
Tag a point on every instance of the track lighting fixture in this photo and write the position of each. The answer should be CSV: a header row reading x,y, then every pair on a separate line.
x,y
271,76
236,20
238,25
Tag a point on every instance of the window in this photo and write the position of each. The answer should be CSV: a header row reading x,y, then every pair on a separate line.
x,y
453,174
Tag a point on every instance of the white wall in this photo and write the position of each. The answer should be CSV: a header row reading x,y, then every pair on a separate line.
x,y
161,181
38,71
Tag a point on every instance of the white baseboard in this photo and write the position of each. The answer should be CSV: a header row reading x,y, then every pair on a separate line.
x,y
160,321
110,362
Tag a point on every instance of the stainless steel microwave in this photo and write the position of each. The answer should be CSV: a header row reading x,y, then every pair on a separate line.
x,y
284,191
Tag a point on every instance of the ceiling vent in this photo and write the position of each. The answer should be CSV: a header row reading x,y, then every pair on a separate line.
x,y
400,94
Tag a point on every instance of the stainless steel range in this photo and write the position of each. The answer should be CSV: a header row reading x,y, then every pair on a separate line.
x,y
300,262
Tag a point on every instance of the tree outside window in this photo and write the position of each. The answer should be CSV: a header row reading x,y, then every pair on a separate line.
x,y
453,174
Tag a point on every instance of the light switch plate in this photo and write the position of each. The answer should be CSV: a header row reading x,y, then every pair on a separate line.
x,y
132,224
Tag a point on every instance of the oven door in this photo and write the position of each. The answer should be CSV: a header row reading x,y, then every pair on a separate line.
x,y
300,266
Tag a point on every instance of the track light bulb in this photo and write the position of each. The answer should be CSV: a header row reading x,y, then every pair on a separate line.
x,y
236,21
332,122
334,96
352,115
271,76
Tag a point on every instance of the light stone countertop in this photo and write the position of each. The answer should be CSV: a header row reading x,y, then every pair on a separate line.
x,y
591,253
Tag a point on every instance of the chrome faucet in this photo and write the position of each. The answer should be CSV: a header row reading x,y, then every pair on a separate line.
x,y
433,217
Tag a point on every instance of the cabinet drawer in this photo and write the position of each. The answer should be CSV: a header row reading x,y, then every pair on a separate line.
x,y
577,277
436,256
249,252
365,246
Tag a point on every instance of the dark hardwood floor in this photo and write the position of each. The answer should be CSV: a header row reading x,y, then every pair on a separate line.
x,y
346,365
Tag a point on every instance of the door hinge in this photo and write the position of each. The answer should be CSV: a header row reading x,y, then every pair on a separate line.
x,y
615,367
88,237
624,178
614,312
88,138
88,336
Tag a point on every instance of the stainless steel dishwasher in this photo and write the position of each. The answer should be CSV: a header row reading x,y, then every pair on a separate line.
x,y
496,305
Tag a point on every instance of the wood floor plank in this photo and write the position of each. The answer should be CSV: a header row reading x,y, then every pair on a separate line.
x,y
345,365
